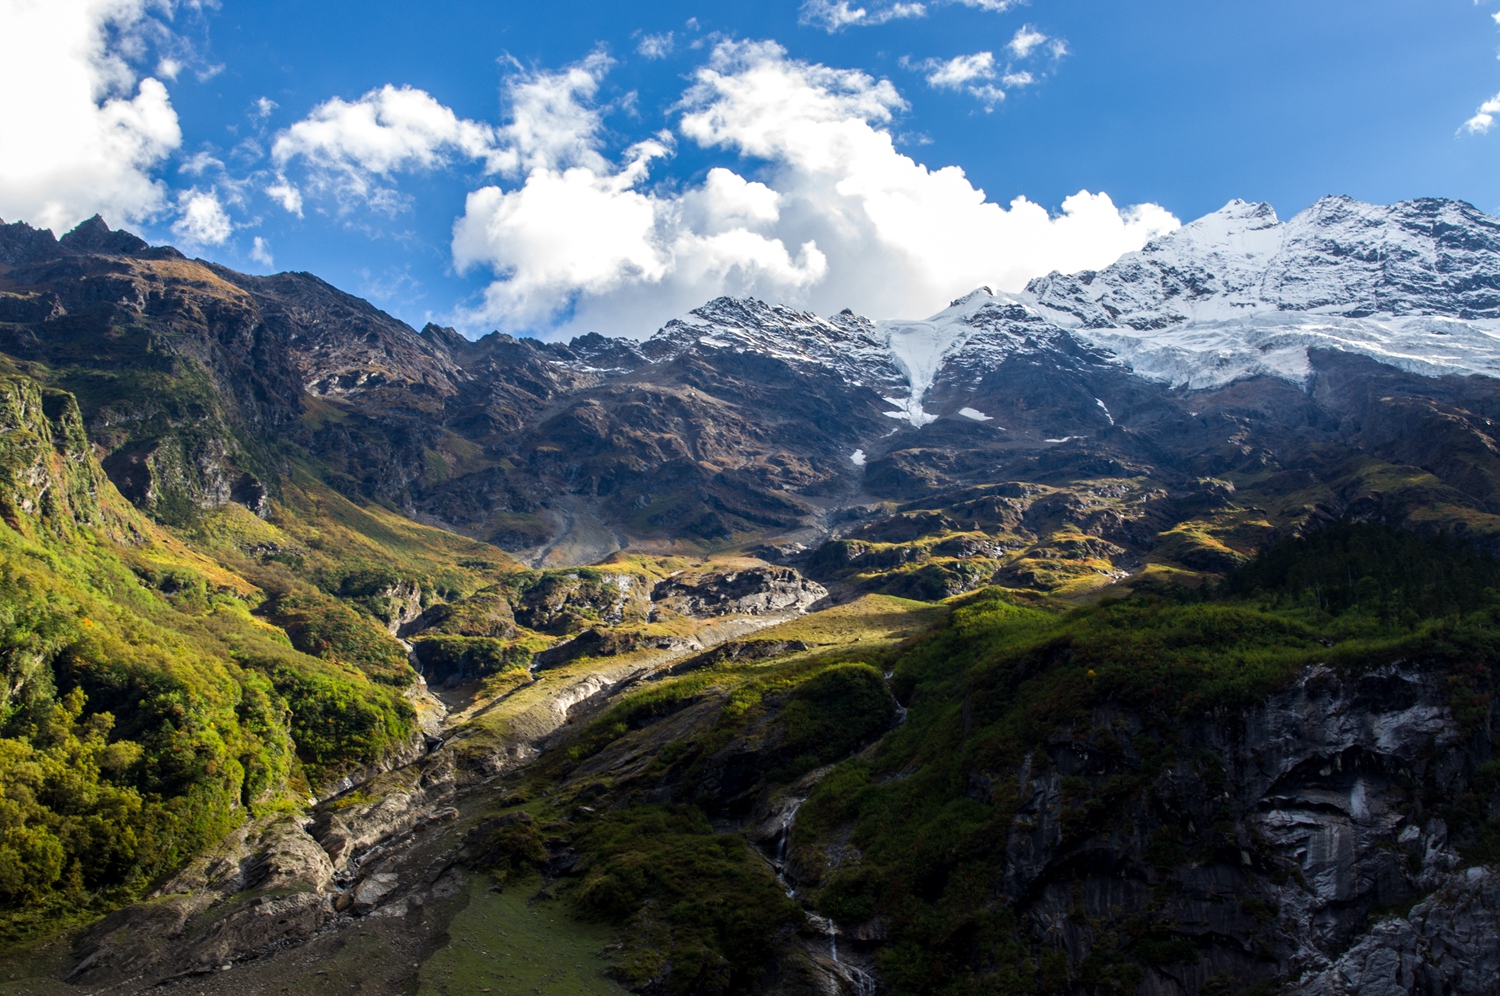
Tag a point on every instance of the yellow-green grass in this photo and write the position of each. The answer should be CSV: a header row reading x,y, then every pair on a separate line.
x,y
878,619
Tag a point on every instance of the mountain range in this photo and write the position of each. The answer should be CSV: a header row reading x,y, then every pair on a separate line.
x,y
1124,633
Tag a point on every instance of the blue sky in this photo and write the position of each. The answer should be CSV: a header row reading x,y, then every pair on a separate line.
x,y
800,151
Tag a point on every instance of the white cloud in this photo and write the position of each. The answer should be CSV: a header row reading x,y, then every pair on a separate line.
x,y
553,123
1026,41
203,221
583,243
263,107
971,74
353,147
79,131
1484,119
955,73
655,46
285,193
981,75
580,229
836,15
260,251
201,162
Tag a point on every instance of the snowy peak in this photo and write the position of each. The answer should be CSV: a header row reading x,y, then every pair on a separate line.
x,y
1423,257
846,343
748,323
1339,257
899,359
1237,293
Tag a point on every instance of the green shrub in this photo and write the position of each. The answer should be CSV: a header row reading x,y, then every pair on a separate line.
x,y
696,899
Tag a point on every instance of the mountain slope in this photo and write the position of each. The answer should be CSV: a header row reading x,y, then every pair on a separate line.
x,y
255,532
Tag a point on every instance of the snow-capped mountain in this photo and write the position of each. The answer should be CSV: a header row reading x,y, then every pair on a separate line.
x,y
1239,293
899,359
1235,294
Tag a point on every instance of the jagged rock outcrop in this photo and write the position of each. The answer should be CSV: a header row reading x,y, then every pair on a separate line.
x,y
752,592
1446,944
1322,801
49,475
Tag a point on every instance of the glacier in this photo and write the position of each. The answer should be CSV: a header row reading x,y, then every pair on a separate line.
x,y
1235,294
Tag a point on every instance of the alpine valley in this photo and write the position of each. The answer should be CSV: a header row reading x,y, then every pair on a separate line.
x,y
1137,632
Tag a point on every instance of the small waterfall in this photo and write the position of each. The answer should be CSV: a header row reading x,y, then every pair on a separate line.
x,y
825,924
900,709
786,831
853,979
862,982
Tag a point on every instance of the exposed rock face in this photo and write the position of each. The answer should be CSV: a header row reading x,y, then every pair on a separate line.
x,y
277,884
752,592
269,885
1326,787
1446,944
48,474
600,643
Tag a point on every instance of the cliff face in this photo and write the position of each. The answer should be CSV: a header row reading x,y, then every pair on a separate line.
x,y
1297,825
50,478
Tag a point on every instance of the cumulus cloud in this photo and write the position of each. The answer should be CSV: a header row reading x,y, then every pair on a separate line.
x,y
970,74
201,162
1484,119
834,215
260,251
836,15
202,220
286,193
352,148
580,228
955,73
655,46
1027,39
980,75
80,133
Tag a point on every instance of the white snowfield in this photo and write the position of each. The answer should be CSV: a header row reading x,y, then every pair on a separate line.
x,y
1235,294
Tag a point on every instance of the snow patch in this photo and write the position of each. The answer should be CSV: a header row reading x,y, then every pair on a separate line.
x,y
918,348
1107,415
975,414
1062,440
857,458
